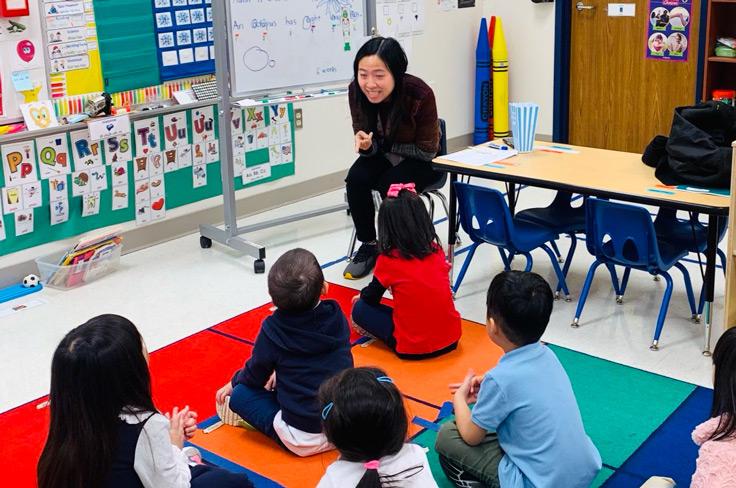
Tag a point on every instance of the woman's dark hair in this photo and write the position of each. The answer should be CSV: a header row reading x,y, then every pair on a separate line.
x,y
98,370
364,417
724,385
392,54
404,225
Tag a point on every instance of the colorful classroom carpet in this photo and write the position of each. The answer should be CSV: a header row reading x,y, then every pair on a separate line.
x,y
640,422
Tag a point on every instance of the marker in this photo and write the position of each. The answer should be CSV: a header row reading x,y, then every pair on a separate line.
x,y
661,191
496,146
699,190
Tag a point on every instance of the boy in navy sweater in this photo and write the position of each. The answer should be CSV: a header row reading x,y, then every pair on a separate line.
x,y
305,342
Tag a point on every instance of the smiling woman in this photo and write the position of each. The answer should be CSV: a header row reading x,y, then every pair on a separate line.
x,y
396,135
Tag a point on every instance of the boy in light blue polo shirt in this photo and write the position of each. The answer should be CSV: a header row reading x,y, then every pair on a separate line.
x,y
525,429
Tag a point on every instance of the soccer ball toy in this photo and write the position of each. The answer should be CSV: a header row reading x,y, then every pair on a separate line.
x,y
31,281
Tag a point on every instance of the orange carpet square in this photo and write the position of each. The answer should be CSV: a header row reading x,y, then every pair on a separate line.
x,y
427,380
258,453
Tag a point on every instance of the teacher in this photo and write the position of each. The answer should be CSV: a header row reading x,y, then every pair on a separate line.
x,y
396,135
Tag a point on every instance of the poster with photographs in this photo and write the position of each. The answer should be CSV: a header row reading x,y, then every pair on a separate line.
x,y
668,30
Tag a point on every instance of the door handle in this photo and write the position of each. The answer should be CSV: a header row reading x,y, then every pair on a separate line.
x,y
581,6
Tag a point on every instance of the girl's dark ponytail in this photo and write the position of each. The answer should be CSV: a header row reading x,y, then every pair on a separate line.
x,y
370,480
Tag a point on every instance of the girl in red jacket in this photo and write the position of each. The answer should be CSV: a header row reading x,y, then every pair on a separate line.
x,y
423,321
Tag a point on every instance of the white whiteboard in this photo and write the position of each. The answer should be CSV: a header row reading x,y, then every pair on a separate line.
x,y
282,44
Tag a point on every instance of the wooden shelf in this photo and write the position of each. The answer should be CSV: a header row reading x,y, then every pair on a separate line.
x,y
720,59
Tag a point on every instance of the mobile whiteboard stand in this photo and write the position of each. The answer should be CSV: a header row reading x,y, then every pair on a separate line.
x,y
230,234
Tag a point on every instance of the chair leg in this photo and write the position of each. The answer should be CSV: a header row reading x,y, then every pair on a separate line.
x,y
464,269
529,261
615,281
505,259
624,284
701,304
443,200
351,246
584,293
560,277
722,256
689,290
553,244
430,202
568,261
662,311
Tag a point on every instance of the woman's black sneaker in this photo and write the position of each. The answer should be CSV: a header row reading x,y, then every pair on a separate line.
x,y
362,263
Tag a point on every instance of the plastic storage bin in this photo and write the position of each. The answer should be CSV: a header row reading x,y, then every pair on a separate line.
x,y
71,276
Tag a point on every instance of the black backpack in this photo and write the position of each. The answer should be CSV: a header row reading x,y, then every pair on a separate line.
x,y
698,150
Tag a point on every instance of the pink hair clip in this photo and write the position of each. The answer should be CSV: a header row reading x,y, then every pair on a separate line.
x,y
375,464
395,189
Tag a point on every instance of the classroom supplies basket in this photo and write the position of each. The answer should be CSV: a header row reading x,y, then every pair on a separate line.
x,y
68,276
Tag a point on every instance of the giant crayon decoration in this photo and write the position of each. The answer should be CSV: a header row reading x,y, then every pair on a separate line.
x,y
482,84
500,83
491,31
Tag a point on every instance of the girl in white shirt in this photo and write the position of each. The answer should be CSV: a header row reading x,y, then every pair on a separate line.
x,y
364,417
104,430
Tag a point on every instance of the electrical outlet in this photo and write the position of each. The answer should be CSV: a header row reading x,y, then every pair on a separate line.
x,y
298,118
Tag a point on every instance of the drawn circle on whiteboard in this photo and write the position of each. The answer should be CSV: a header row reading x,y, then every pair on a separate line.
x,y
257,59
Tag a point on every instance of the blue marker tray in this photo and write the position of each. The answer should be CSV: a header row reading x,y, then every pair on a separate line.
x,y
16,291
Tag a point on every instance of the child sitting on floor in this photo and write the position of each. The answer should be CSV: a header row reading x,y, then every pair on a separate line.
x,y
105,430
423,321
716,464
304,342
525,428
364,417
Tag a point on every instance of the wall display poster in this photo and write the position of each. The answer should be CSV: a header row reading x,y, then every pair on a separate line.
x,y
22,63
56,186
72,47
668,30
184,37
400,18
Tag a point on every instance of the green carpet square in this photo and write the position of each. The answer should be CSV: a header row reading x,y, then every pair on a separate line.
x,y
621,406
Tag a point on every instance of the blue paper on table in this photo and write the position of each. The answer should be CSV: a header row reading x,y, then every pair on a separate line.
x,y
524,125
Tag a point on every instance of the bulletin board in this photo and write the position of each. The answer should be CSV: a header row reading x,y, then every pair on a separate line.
x,y
127,44
258,164
184,38
72,50
22,63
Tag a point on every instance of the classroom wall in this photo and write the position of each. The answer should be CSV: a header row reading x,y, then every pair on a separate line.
x,y
530,36
443,56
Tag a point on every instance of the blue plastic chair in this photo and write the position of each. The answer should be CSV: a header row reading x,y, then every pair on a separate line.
x,y
624,235
690,234
486,218
563,218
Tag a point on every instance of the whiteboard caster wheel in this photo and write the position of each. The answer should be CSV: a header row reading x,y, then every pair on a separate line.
x,y
205,242
259,266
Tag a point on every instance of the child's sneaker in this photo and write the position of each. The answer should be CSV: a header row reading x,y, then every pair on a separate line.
x,y
229,417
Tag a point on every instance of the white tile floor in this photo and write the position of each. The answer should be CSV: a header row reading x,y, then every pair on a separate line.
x,y
175,289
